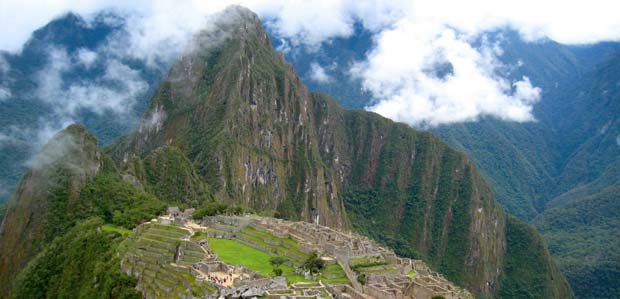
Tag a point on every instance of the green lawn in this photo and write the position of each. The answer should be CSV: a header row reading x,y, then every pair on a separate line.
x,y
235,253
293,278
199,235
113,228
265,234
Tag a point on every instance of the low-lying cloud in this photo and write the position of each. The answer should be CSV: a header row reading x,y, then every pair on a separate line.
x,y
430,76
5,92
115,90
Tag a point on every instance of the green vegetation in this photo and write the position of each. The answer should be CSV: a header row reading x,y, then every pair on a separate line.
x,y
276,262
117,202
362,279
528,266
281,245
583,236
117,229
313,263
169,175
199,235
2,210
235,253
360,267
267,235
80,264
212,208
67,268
152,253
531,165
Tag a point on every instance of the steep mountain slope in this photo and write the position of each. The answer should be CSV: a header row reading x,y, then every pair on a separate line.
x,y
258,138
44,194
582,232
581,225
70,181
533,167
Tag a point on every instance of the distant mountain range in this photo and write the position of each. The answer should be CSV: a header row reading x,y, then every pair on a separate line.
x,y
559,172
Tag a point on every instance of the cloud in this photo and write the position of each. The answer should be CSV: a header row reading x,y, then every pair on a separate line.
x,y
312,22
54,150
4,65
116,90
86,57
422,70
429,74
318,73
5,92
4,138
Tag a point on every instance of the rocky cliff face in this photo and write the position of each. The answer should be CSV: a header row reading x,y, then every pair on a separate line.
x,y
45,192
246,122
259,138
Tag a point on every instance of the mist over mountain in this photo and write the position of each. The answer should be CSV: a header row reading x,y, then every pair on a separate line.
x,y
69,72
553,163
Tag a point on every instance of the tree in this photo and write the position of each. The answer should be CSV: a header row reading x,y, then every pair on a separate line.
x,y
276,262
438,297
362,279
313,263
277,272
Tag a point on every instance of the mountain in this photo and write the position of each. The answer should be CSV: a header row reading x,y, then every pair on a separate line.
x,y
581,224
568,154
233,122
260,139
49,220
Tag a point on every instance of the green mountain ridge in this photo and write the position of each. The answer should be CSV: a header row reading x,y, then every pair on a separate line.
x,y
233,122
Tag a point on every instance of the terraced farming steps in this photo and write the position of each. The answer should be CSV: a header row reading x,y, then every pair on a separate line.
x,y
160,257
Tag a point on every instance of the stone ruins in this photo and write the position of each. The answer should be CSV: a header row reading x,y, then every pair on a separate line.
x,y
385,274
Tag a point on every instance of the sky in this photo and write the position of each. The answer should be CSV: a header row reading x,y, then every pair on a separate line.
x,y
410,39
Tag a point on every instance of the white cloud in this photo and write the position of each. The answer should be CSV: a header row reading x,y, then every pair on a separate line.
x,y
312,22
4,138
5,93
318,73
401,72
116,90
86,57
413,38
4,65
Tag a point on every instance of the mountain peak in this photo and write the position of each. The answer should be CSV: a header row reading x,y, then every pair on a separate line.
x,y
233,23
73,148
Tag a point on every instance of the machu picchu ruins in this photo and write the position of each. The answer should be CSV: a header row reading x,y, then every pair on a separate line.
x,y
174,256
